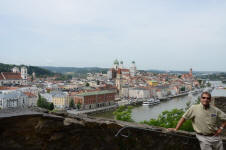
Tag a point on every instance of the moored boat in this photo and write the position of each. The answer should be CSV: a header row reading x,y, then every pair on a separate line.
x,y
151,102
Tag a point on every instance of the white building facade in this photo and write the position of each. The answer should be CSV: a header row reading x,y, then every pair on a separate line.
x,y
13,99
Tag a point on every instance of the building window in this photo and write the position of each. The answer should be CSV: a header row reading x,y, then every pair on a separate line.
x,y
0,102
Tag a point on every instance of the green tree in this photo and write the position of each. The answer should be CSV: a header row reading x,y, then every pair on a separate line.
x,y
98,82
169,119
209,84
51,106
87,84
78,105
124,113
42,102
72,104
182,89
39,102
48,90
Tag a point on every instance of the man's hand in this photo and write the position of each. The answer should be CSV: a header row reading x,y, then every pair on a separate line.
x,y
171,129
218,132
179,124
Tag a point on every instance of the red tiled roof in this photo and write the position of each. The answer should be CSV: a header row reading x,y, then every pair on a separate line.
x,y
11,76
8,88
126,75
125,70
29,94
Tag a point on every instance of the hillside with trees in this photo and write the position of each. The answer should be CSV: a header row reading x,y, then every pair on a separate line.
x,y
76,69
40,72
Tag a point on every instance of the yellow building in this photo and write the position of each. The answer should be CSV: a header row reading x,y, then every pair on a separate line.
x,y
153,83
60,101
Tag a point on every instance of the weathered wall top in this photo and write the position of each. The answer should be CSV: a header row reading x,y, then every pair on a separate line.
x,y
36,130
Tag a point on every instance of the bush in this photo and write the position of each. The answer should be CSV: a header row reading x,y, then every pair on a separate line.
x,y
72,104
42,102
123,113
169,119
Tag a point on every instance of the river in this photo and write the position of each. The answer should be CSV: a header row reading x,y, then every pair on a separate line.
x,y
141,113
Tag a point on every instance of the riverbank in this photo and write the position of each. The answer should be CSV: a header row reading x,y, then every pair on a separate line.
x,y
108,110
93,111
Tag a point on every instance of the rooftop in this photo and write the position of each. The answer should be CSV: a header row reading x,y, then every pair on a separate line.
x,y
10,76
96,93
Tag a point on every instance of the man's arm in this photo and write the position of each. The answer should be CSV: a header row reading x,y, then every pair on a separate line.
x,y
179,124
221,128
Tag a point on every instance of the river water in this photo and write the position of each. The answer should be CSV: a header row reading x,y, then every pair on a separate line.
x,y
141,113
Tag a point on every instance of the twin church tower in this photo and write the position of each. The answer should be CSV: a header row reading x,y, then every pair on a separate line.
x,y
118,68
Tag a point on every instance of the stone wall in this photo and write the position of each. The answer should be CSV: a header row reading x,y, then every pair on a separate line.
x,y
48,132
33,130
220,102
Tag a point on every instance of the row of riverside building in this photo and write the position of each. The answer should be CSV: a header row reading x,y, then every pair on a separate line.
x,y
18,78
95,99
61,100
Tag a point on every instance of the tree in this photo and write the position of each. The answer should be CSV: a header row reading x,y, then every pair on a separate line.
x,y
169,119
87,84
182,89
78,105
209,84
48,90
124,113
39,102
98,82
72,104
51,106
42,102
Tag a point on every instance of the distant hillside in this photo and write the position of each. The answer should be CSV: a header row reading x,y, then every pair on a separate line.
x,y
75,69
156,71
40,72
184,72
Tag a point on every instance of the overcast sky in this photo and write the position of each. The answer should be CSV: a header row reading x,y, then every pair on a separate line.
x,y
157,34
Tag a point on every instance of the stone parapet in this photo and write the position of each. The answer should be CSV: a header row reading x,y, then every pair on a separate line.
x,y
50,132
37,130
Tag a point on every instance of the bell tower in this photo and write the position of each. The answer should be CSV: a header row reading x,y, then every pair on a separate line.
x,y
24,73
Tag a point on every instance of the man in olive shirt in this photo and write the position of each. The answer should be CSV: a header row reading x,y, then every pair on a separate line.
x,y
204,121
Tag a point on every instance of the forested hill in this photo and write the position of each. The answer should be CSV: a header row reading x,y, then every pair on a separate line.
x,y
83,70
40,72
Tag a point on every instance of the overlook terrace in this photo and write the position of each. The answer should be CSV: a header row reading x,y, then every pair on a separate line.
x,y
31,129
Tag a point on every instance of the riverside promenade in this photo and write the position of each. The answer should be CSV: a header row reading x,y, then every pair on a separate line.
x,y
93,111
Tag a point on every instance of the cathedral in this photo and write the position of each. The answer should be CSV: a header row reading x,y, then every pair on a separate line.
x,y
119,70
16,77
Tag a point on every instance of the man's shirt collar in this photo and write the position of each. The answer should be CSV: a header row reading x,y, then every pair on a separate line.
x,y
203,107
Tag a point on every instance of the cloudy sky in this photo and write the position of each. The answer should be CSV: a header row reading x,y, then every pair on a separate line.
x,y
157,34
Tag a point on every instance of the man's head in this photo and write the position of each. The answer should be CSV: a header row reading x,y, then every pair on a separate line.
x,y
205,99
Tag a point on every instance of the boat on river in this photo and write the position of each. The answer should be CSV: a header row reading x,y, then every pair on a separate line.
x,y
150,102
195,91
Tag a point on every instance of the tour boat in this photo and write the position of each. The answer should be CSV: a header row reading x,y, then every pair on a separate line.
x,y
151,102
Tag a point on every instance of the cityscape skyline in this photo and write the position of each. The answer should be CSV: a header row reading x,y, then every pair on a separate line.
x,y
162,35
